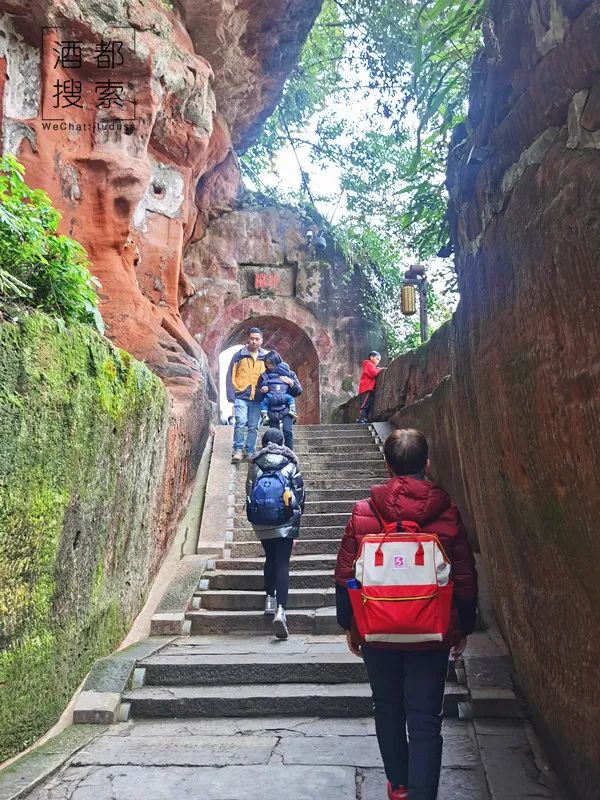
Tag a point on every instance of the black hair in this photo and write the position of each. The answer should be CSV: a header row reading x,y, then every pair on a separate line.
x,y
406,451
374,353
272,436
273,357
255,330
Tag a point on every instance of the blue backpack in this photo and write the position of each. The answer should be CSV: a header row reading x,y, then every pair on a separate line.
x,y
265,505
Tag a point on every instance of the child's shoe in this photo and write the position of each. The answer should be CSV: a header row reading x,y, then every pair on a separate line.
x,y
264,418
399,793
280,624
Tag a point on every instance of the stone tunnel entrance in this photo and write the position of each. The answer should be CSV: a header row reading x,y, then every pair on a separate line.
x,y
295,347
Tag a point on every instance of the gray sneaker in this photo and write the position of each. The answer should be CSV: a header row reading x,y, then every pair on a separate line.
x,y
237,456
280,624
270,605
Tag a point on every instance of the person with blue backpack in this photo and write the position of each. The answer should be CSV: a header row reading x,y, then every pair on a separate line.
x,y
278,385
274,505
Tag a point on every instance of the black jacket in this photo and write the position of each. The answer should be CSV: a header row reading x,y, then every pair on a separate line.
x,y
272,377
277,457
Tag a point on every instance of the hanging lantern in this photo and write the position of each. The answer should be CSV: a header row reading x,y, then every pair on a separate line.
x,y
408,300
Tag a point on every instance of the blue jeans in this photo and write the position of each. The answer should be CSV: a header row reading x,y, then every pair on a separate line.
x,y
408,692
247,415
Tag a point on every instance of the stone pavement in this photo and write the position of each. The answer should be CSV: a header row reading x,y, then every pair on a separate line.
x,y
230,713
290,758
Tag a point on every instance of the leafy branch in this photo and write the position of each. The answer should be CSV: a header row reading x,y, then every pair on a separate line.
x,y
40,268
380,87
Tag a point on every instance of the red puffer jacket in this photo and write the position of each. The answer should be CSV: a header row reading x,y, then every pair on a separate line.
x,y
368,378
417,499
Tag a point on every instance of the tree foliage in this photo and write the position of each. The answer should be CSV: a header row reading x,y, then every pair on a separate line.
x,y
377,93
38,267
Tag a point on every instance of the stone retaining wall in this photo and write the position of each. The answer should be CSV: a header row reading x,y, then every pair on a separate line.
x,y
83,453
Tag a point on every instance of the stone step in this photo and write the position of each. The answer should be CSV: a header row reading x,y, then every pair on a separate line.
x,y
325,481
350,470
331,429
326,496
316,507
341,468
342,474
363,485
302,547
297,564
355,435
185,668
334,430
173,669
252,580
342,458
355,444
320,621
309,520
359,447
317,532
232,600
265,700
327,508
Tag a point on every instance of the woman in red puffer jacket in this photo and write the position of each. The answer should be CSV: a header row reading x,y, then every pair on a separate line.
x,y
407,680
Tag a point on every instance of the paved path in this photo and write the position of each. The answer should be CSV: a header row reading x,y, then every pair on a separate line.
x,y
286,759
230,713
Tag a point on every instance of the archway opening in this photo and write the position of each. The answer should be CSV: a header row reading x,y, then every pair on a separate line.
x,y
225,356
295,347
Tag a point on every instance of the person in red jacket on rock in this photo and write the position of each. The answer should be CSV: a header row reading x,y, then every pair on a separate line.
x,y
366,387
407,680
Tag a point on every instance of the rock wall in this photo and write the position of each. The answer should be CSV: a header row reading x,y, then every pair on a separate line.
x,y
136,182
203,76
254,266
84,436
516,423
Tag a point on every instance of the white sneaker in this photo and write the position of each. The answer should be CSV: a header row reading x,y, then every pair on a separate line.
x,y
270,605
280,624
237,456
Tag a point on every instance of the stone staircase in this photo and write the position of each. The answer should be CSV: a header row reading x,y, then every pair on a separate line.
x,y
231,665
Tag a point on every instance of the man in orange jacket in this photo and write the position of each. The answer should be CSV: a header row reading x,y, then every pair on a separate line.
x,y
366,387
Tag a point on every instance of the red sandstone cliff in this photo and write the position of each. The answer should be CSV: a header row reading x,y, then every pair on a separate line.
x,y
203,76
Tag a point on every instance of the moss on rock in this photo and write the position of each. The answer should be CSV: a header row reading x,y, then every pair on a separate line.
x,y
83,432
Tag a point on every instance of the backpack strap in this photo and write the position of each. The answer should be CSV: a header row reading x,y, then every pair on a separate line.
x,y
386,527
276,473
406,525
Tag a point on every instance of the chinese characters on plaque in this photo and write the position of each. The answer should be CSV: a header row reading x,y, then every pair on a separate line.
x,y
90,74
266,280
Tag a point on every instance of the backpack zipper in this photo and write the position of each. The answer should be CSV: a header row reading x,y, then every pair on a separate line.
x,y
366,597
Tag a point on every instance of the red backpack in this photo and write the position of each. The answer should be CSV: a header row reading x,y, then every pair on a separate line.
x,y
405,592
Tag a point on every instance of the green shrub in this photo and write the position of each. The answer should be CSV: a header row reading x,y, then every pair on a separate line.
x,y
38,267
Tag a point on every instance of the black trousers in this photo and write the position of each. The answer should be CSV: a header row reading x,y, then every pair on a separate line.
x,y
277,568
366,401
408,692
287,425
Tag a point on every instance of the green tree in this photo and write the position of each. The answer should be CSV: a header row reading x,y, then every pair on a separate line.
x,y
378,91
40,268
